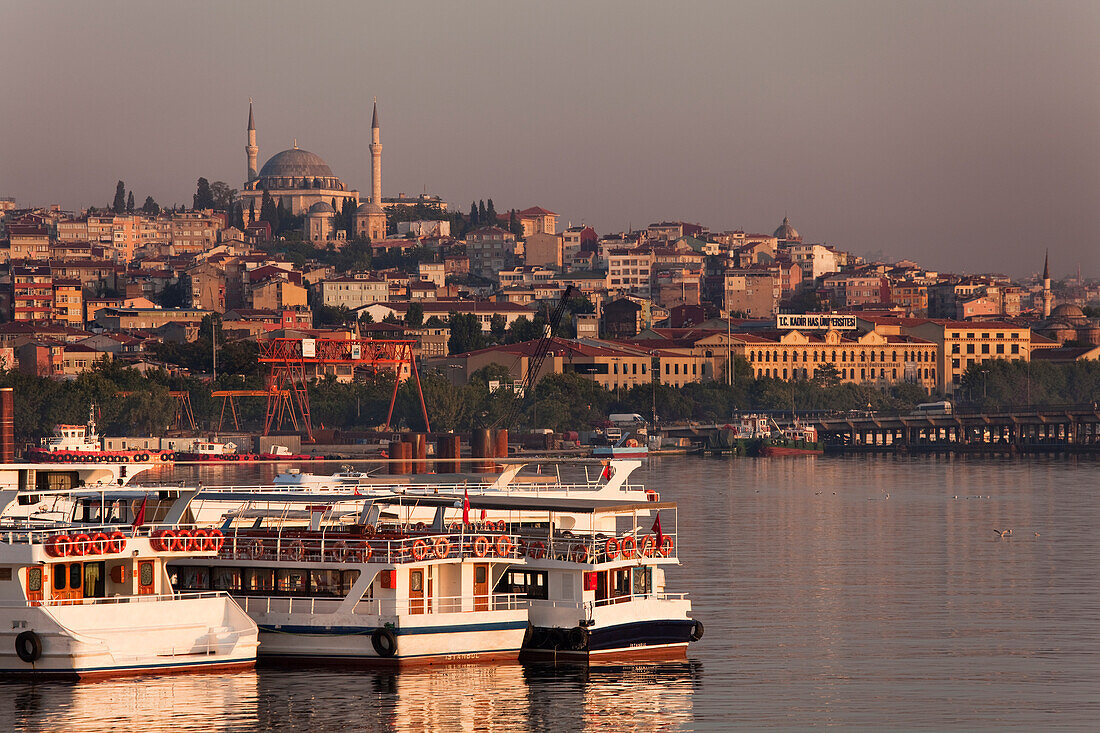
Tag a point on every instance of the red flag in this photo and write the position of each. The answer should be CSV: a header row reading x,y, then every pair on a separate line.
x,y
483,515
606,472
657,531
139,517
465,506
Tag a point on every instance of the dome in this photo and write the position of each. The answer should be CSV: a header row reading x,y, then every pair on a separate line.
x,y
321,207
1067,310
296,163
785,231
365,209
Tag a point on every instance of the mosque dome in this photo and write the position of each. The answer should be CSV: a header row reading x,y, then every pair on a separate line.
x,y
296,163
321,207
785,231
1067,311
366,208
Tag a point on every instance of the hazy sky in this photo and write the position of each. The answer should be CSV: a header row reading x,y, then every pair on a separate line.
x,y
960,134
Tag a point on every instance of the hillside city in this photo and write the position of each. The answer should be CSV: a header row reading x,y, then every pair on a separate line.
x,y
297,253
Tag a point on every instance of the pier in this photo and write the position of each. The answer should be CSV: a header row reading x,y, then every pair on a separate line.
x,y
1063,430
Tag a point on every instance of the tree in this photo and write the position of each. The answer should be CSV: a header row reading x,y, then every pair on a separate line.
x,y
414,316
252,210
466,333
482,215
222,196
498,327
150,207
204,197
280,216
513,224
491,213
473,215
130,203
119,204
268,212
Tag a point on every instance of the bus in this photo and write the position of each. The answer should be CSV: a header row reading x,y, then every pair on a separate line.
x,y
933,408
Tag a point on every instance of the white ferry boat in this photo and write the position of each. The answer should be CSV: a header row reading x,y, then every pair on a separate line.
x,y
82,444
95,600
332,583
44,490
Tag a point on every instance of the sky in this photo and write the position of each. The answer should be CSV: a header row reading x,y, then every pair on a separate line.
x,y
962,135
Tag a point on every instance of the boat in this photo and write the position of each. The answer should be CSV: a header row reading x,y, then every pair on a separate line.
x,y
95,600
82,444
622,445
792,440
760,435
329,580
44,490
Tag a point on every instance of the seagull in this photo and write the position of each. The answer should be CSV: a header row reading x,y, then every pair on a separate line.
x,y
1002,533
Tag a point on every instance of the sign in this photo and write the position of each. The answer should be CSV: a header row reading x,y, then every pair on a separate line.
x,y
814,322
309,348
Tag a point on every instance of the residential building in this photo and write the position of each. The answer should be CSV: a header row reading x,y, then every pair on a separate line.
x,y
752,292
544,250
490,250
537,220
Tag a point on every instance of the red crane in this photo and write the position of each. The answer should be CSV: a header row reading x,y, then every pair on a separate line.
x,y
295,360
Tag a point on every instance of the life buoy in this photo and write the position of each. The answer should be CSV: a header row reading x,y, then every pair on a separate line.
x,y
384,642
442,547
295,551
420,527
611,548
667,544
419,549
58,545
356,552
199,539
647,547
628,546
162,541
579,553
215,540
81,544
369,530
28,646
537,550
118,541
454,527
339,551
182,541
166,456
100,544
256,549
504,546
481,545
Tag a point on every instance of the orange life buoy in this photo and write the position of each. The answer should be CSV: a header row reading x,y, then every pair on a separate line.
x,y
81,544
537,550
199,539
504,546
182,541
162,541
118,541
481,545
100,544
58,545
667,544
579,553
420,549
215,540
628,546
339,551
647,547
296,550
442,547
611,548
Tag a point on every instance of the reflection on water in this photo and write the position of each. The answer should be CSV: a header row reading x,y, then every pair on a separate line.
x,y
858,593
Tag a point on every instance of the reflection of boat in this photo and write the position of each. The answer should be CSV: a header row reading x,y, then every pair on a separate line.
x,y
82,444
94,600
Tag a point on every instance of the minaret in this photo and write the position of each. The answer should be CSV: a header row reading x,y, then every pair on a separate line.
x,y
375,160
251,150
1048,297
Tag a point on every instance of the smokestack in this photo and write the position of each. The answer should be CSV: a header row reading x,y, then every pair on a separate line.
x,y
7,425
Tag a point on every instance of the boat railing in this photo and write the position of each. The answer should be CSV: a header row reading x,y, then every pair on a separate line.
x,y
116,600
39,535
383,607
286,545
416,489
641,597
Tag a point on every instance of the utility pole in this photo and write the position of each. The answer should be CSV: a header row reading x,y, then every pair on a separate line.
x,y
214,344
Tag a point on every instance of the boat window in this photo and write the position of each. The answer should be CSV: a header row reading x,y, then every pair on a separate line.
x,y
531,583
5,574
193,578
94,581
325,583
416,580
34,579
291,581
228,579
620,582
75,572
259,579
59,577
601,586
349,579
643,581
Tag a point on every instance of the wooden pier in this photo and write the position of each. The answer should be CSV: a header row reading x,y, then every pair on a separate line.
x,y
1074,430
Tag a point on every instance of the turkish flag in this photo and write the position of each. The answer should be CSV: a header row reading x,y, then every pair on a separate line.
x,y
657,530
483,515
466,506
139,517
606,473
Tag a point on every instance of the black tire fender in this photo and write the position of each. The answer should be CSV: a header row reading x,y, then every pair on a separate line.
x,y
384,642
28,645
578,638
697,630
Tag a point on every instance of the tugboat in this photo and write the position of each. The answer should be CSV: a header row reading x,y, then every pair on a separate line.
x,y
793,440
82,444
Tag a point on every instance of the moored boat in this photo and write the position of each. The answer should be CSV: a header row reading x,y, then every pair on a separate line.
x,y
95,600
82,444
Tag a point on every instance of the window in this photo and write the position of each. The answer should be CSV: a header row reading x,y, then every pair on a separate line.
x,y
643,580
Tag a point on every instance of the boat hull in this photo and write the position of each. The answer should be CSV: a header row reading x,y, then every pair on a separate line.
x,y
639,640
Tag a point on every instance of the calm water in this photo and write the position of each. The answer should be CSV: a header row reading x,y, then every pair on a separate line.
x,y
855,593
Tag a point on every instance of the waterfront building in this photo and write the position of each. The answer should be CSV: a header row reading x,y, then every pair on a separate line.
x,y
352,291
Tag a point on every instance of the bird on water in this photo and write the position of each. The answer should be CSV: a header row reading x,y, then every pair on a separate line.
x,y
1002,533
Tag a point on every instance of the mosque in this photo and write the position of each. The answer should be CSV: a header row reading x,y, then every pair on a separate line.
x,y
305,185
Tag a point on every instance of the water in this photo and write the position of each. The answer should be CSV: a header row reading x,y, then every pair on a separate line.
x,y
856,593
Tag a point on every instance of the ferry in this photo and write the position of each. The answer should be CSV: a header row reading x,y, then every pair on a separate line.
x,y
44,489
82,444
329,580
84,600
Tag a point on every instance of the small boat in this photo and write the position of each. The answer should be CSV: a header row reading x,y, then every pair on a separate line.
x,y
625,445
82,444
95,600
792,440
